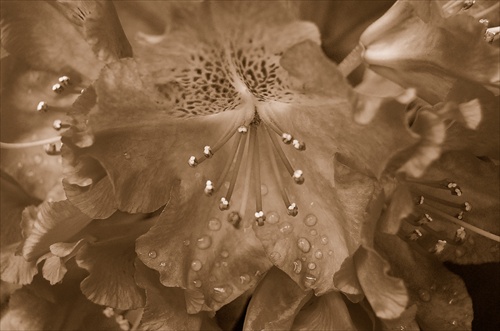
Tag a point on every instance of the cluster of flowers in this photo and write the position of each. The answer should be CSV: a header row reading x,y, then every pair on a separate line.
x,y
215,165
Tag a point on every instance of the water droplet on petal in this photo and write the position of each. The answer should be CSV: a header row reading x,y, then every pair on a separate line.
x,y
224,263
186,242
214,224
310,220
304,245
272,217
196,265
286,228
275,257
204,242
224,254
244,278
330,253
38,159
313,232
263,190
424,295
309,280
126,155
152,254
197,283
460,251
297,266
19,165
324,240
221,293
163,264
311,266
318,254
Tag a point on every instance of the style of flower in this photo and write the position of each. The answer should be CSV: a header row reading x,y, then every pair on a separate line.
x,y
224,146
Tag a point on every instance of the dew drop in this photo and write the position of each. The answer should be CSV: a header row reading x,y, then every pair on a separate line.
x,y
126,155
311,266
224,254
275,257
220,294
186,242
272,217
424,295
310,220
313,232
309,280
454,323
324,240
244,278
204,242
303,258
152,254
214,224
196,265
224,263
286,228
297,266
197,283
304,245
451,301
318,254
38,159
330,253
460,251
163,264
30,173
263,190
19,165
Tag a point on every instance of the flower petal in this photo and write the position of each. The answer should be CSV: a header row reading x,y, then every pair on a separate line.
x,y
198,249
276,302
387,295
101,27
52,222
441,296
14,268
165,306
36,32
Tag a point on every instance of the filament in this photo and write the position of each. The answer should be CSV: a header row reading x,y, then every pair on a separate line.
x,y
30,144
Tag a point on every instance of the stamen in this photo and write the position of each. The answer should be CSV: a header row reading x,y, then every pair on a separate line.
x,y
491,9
285,161
415,235
465,207
426,218
286,138
484,22
468,4
64,80
460,235
298,177
463,224
51,149
44,107
254,150
260,218
58,125
292,209
193,162
209,188
492,34
441,184
30,144
207,151
234,218
224,204
299,145
57,88
440,245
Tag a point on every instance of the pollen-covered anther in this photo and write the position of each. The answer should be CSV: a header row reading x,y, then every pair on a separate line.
x,y
58,125
299,145
42,106
64,81
460,235
58,88
426,218
298,176
209,188
242,129
467,206
492,34
224,204
260,218
421,200
439,247
286,138
468,4
207,151
415,235
52,149
292,209
193,162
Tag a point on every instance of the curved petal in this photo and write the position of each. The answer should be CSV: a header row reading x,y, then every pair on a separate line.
x,y
36,32
14,268
441,297
275,303
199,250
445,48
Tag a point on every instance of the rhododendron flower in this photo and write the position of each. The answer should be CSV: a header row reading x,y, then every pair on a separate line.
x,y
224,158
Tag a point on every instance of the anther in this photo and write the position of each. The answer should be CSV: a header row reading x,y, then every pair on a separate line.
x,y
51,149
58,125
224,204
286,138
292,209
460,235
484,22
260,218
468,4
234,218
242,129
209,188
492,34
439,247
299,145
421,200
415,235
42,106
193,162
57,88
298,176
207,151
64,81
426,218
